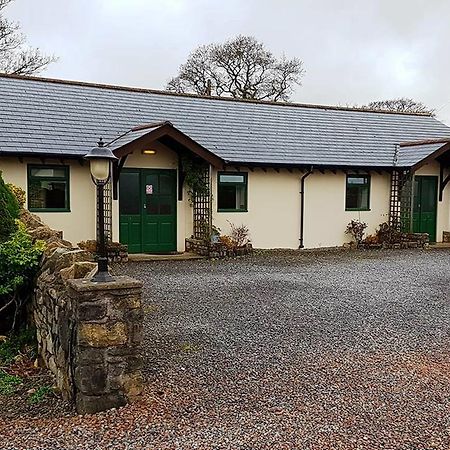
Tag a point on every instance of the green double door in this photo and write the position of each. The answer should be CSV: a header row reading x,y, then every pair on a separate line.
x,y
147,209
425,205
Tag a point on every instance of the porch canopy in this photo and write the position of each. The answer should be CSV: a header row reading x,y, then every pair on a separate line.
x,y
415,154
159,136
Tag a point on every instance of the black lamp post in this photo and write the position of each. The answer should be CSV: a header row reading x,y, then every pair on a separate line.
x,y
100,159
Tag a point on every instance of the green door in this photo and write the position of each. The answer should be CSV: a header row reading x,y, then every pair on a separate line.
x,y
425,205
147,203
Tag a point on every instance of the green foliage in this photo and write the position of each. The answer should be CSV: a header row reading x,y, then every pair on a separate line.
x,y
9,211
194,173
19,259
40,394
19,193
8,383
22,342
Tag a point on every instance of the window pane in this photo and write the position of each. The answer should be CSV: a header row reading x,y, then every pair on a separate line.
x,y
357,192
240,197
49,172
231,178
227,197
129,202
357,180
165,206
232,192
45,194
152,206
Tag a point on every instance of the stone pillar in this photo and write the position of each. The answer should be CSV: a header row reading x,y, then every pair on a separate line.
x,y
106,350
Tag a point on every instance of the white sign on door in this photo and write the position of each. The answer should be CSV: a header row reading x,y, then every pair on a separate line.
x,y
149,189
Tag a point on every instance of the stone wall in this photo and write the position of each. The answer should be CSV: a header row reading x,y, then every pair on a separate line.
x,y
400,241
88,333
215,249
107,336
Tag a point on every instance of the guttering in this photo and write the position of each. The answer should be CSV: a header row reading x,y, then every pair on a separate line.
x,y
302,204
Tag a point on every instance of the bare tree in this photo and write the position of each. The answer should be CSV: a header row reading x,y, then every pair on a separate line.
x,y
241,68
15,56
403,104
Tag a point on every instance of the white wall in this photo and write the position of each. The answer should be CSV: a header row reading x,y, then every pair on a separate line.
x,y
273,215
325,216
78,224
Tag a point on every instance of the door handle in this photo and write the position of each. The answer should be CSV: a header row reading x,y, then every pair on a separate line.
x,y
145,206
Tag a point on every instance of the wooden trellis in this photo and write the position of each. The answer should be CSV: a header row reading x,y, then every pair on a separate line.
x,y
108,212
400,208
202,207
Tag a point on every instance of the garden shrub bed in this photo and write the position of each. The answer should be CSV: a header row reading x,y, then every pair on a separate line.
x,y
386,237
216,249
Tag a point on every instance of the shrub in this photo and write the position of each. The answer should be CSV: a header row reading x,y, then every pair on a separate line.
x,y
9,211
240,235
23,342
356,228
19,258
227,241
19,193
19,261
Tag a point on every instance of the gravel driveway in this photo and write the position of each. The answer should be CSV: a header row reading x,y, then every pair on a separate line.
x,y
345,350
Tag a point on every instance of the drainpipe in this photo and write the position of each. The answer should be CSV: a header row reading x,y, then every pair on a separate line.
x,y
302,204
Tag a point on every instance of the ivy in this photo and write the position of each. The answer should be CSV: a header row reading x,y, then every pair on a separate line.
x,y
194,177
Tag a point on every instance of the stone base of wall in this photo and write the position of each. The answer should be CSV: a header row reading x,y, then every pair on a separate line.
x,y
404,241
446,236
215,250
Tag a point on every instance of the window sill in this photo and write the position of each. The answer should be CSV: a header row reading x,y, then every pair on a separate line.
x,y
34,210
356,209
232,210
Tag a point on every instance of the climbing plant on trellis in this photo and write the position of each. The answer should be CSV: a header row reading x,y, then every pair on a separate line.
x,y
197,176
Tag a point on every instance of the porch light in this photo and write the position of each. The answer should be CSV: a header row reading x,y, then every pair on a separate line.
x,y
100,159
149,152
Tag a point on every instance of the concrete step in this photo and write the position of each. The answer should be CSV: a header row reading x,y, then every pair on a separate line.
x,y
186,256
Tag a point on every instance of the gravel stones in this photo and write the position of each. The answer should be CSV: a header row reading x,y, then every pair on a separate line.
x,y
281,350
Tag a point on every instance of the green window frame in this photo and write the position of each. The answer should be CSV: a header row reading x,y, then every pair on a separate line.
x,y
357,193
45,183
232,191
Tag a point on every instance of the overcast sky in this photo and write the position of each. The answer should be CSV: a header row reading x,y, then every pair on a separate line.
x,y
354,51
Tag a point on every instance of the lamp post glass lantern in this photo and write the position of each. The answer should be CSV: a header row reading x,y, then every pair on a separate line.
x,y
100,159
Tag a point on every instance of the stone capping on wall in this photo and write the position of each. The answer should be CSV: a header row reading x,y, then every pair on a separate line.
x,y
88,333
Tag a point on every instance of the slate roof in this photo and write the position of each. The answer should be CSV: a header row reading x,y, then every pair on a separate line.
x,y
66,118
412,154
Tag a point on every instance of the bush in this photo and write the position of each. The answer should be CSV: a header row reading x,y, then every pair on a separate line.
x,y
22,342
356,228
9,211
19,261
19,193
238,238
